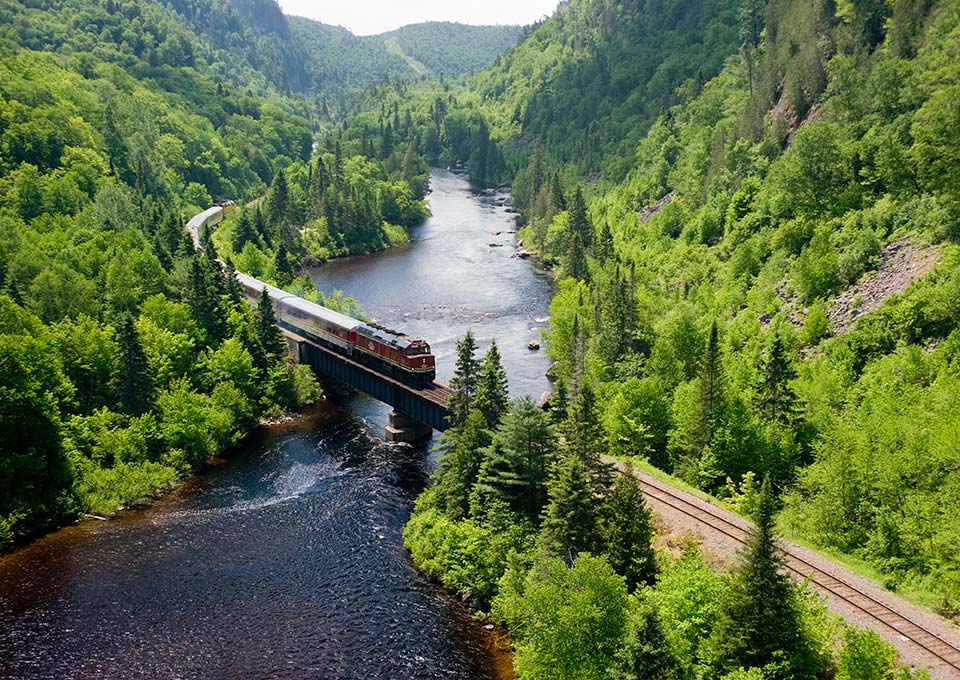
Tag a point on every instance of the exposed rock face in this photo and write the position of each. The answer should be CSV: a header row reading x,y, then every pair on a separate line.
x,y
648,211
902,264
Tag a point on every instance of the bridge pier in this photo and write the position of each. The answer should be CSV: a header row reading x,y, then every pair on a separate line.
x,y
403,428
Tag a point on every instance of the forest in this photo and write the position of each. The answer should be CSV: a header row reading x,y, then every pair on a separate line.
x,y
751,212
529,520
717,312
713,295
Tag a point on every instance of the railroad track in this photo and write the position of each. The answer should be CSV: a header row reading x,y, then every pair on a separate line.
x,y
929,642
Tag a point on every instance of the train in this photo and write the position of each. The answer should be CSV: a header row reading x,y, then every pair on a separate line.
x,y
407,359
209,217
410,360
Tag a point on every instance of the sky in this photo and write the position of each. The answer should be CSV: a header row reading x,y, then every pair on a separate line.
x,y
369,17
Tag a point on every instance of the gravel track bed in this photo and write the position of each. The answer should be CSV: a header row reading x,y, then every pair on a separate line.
x,y
727,548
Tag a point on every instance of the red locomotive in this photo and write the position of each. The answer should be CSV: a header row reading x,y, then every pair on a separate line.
x,y
408,359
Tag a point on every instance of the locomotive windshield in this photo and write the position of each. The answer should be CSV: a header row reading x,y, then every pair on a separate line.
x,y
418,348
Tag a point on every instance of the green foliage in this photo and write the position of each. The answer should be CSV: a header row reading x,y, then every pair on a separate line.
x,y
645,653
626,532
466,374
569,525
759,623
492,395
463,555
567,621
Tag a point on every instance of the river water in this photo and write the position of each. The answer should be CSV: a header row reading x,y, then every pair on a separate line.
x,y
285,559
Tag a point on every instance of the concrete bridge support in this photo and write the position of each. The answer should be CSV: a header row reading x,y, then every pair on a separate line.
x,y
403,428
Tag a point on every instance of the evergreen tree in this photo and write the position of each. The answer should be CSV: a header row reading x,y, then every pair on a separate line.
x,y
710,399
557,199
464,382
461,453
570,518
645,653
260,226
627,532
282,265
579,221
278,203
605,251
251,342
206,243
575,264
244,232
777,398
233,288
269,333
558,401
759,622
514,467
204,299
578,354
585,439
132,381
492,396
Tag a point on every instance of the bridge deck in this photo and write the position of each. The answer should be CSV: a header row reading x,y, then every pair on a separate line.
x,y
429,405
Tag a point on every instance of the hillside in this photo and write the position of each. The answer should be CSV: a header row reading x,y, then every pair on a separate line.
x,y
128,359
341,64
451,50
702,285
589,81
752,213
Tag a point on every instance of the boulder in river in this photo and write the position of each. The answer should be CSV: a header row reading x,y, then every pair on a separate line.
x,y
533,345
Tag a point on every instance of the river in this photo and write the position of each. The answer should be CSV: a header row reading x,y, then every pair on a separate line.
x,y
285,559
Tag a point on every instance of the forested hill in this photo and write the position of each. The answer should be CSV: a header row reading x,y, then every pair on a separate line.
x,y
127,359
761,163
449,49
340,64
589,81
752,210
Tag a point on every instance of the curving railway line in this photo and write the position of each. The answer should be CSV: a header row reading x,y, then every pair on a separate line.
x,y
914,639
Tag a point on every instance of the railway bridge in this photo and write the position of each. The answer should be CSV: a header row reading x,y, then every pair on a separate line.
x,y
417,411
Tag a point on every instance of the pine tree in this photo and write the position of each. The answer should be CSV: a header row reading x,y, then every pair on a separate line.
x,y
464,382
710,401
278,204
557,199
514,467
570,518
282,265
579,221
777,398
260,226
244,232
492,395
204,299
646,653
575,264
206,243
233,288
604,248
251,342
627,531
760,621
270,335
584,438
132,381
461,453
